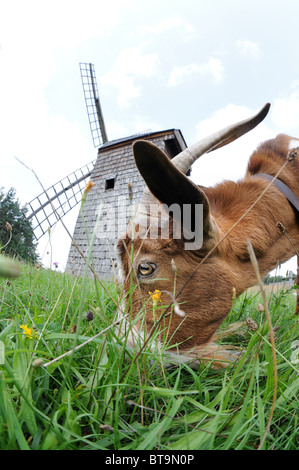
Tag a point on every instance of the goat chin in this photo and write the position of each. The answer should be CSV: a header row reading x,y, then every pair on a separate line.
x,y
219,356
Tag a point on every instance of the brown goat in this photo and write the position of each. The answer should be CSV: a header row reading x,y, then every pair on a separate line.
x,y
202,280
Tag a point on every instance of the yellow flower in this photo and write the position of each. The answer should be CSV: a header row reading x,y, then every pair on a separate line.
x,y
88,187
156,296
28,331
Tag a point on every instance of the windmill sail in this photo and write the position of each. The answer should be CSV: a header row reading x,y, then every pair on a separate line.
x,y
44,210
93,106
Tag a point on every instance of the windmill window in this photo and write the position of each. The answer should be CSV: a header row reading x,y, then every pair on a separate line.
x,y
109,184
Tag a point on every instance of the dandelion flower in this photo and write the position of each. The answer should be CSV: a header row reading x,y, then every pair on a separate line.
x,y
28,331
88,187
156,295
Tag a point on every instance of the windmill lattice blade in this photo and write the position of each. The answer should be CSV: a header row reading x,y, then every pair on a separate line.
x,y
93,106
59,199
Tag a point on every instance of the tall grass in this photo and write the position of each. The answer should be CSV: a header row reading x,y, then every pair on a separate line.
x,y
106,396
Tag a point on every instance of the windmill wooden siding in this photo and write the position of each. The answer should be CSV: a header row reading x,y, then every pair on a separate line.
x,y
113,171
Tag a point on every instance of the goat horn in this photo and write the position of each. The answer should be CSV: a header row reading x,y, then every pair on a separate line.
x,y
184,160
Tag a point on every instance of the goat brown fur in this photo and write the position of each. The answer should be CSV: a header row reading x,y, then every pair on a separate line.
x,y
205,291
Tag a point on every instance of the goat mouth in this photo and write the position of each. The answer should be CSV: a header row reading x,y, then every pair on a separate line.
x,y
219,356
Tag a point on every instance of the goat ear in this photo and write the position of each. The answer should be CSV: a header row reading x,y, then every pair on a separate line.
x,y
170,186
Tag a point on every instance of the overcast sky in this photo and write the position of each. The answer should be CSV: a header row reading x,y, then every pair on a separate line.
x,y
193,65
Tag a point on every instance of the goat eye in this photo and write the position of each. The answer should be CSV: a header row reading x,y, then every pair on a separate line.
x,y
146,269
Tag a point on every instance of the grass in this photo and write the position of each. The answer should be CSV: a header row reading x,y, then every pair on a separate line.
x,y
105,396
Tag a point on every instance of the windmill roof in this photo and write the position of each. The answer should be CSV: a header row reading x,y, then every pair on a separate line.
x,y
145,135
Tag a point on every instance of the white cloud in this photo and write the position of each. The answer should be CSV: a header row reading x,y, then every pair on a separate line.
x,y
167,24
249,49
31,42
58,24
213,68
285,112
229,162
130,66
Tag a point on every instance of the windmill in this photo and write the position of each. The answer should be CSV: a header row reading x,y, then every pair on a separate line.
x,y
61,197
112,171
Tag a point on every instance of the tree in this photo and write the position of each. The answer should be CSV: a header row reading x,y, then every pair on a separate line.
x,y
15,231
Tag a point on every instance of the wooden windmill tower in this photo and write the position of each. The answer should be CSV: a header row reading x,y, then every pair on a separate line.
x,y
111,172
